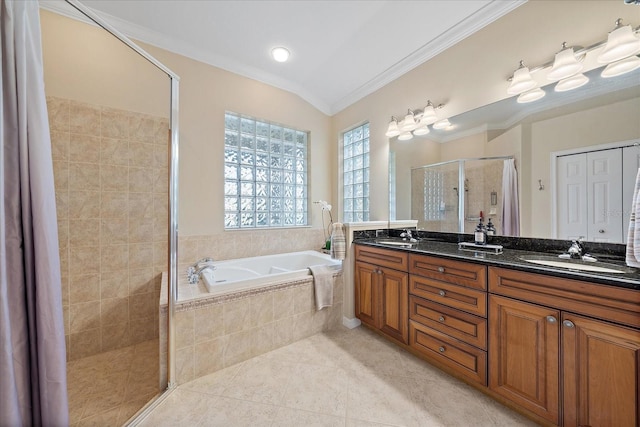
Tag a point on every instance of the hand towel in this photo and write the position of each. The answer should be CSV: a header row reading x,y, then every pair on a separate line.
x,y
633,236
338,241
323,285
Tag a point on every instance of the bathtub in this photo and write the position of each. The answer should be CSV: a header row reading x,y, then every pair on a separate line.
x,y
249,273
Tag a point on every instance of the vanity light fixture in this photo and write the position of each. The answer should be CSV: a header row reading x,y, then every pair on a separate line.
x,y
280,54
416,123
621,43
620,51
565,64
621,67
392,129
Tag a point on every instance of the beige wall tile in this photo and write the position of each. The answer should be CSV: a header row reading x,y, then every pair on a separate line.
x,y
208,323
283,303
63,233
84,260
161,135
84,176
84,148
61,175
140,230
143,329
84,232
84,288
82,316
142,127
141,280
84,204
114,231
161,256
140,255
184,364
142,305
114,257
114,151
141,205
161,228
60,145
85,343
184,329
160,156
62,204
84,118
161,180
263,339
114,178
261,308
114,204
58,111
141,154
302,324
115,123
140,180
282,332
114,310
116,336
209,356
114,284
238,347
237,316
303,299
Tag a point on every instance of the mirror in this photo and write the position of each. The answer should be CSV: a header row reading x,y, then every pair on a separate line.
x,y
598,115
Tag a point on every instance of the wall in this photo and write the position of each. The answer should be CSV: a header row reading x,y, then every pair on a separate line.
x,y
473,73
110,170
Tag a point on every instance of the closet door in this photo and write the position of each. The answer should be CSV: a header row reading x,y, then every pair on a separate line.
x,y
630,165
572,196
604,196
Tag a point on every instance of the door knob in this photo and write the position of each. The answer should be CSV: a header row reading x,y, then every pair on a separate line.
x,y
601,231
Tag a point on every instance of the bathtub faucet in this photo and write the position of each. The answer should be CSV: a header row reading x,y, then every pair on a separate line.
x,y
194,271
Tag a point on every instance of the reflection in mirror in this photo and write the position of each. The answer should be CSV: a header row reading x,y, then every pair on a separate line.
x,y
603,112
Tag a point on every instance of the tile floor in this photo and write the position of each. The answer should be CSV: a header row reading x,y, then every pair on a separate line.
x,y
108,388
338,378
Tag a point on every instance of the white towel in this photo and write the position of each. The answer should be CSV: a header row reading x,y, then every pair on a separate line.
x,y
338,241
510,213
633,237
323,285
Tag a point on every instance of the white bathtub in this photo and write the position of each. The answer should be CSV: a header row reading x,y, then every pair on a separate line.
x,y
249,273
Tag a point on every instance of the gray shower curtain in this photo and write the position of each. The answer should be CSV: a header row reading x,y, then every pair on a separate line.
x,y
33,389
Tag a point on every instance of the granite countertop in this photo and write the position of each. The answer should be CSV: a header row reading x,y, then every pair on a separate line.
x,y
510,258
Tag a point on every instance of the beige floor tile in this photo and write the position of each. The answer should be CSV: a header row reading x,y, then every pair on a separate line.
x,y
318,389
261,380
287,417
215,383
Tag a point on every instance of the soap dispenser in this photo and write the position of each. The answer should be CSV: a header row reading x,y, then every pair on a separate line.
x,y
491,229
480,234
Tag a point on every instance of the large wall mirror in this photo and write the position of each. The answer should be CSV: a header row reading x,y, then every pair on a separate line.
x,y
548,139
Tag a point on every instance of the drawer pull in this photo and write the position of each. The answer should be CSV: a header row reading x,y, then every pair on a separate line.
x,y
441,269
568,324
441,319
442,293
442,349
551,319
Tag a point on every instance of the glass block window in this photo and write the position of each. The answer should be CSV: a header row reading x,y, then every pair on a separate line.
x,y
265,174
355,176
433,195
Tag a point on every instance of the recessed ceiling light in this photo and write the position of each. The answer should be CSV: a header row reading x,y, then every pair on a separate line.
x,y
280,54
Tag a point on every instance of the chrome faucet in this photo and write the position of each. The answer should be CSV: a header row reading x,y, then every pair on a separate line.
x,y
576,250
194,271
406,235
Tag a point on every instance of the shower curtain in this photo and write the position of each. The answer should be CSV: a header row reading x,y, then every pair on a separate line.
x,y
510,210
33,389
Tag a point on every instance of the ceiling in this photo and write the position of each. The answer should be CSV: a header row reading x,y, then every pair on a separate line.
x,y
341,51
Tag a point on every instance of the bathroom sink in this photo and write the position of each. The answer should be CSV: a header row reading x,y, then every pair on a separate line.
x,y
571,264
396,242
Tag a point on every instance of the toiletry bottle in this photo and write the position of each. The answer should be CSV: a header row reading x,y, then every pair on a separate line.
x,y
491,229
480,234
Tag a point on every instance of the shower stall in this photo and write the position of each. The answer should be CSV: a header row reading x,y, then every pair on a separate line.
x,y
452,196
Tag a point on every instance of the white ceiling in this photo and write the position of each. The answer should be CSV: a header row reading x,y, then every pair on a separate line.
x,y
341,51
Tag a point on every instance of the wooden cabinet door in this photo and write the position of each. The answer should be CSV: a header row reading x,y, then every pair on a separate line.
x,y
523,355
394,302
366,293
600,373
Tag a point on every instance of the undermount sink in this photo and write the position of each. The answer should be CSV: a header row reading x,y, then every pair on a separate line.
x,y
571,264
396,242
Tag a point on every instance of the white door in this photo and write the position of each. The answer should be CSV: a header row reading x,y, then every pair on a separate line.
x,y
630,165
604,196
572,196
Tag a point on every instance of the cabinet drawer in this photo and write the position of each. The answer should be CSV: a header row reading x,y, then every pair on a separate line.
x,y
616,304
458,324
463,358
383,257
457,272
466,299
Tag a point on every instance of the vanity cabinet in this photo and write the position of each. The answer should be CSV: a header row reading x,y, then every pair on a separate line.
x,y
381,291
447,314
546,337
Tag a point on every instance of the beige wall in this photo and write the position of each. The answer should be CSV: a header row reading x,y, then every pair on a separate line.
x,y
473,73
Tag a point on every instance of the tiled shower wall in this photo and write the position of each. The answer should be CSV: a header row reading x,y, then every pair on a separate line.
x,y
111,181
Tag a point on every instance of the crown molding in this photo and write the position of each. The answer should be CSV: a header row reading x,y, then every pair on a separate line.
x,y
453,35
